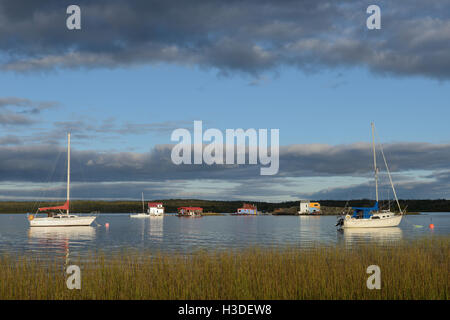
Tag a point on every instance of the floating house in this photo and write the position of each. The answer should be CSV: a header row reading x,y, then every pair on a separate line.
x,y
308,207
247,209
190,211
155,209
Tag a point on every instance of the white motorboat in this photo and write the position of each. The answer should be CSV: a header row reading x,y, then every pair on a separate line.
x,y
373,217
62,217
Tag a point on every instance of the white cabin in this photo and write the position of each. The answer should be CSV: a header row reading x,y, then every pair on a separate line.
x,y
304,207
155,208
308,207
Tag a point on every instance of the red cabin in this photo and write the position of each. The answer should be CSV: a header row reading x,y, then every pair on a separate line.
x,y
190,211
247,209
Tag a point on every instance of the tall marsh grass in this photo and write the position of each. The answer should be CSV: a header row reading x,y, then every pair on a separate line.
x,y
414,270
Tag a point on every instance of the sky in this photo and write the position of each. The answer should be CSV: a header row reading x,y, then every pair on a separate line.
x,y
137,70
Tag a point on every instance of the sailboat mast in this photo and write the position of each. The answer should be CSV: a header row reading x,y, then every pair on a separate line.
x,y
68,170
375,161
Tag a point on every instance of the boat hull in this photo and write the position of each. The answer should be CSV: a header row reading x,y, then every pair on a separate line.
x,y
189,215
139,215
145,215
62,222
393,221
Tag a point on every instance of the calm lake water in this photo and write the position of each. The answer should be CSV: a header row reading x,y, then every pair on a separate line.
x,y
174,234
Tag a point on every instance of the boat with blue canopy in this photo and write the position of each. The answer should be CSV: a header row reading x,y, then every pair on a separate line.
x,y
373,217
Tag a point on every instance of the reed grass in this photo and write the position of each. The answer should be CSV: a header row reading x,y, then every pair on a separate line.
x,y
413,270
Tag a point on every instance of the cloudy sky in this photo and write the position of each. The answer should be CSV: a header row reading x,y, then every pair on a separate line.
x,y
139,69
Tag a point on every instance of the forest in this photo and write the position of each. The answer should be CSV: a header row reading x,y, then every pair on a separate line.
x,y
171,205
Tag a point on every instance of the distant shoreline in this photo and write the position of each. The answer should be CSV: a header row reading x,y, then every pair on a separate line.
x,y
211,207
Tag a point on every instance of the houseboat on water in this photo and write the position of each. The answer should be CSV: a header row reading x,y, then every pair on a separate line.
x,y
247,210
190,212
309,208
155,209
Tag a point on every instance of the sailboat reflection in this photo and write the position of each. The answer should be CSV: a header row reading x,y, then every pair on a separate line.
x,y
58,240
372,235
62,233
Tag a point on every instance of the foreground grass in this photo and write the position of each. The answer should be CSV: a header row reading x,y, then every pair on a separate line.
x,y
417,270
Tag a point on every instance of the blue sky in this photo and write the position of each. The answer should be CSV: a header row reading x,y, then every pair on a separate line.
x,y
311,69
307,108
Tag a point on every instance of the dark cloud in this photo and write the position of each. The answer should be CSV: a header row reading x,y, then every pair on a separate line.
x,y
13,119
355,159
26,105
31,163
10,140
86,190
421,170
164,189
21,111
250,36
437,186
109,129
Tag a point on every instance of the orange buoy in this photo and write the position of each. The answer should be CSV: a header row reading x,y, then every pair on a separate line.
x,y
107,225
431,226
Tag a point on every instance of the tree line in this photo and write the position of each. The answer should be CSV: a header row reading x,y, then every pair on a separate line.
x,y
171,205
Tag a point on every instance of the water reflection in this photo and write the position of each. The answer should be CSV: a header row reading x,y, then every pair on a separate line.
x,y
155,230
309,229
59,240
372,235
62,233
173,234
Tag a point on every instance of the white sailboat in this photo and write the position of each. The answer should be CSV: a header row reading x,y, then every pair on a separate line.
x,y
61,219
143,214
155,209
373,217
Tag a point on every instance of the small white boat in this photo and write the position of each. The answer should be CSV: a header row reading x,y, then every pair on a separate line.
x,y
139,215
372,217
154,210
61,218
143,214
